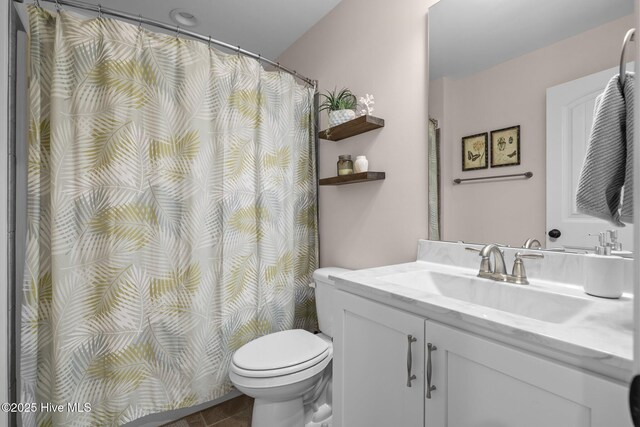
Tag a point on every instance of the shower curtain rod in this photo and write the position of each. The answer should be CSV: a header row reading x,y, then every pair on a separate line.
x,y
179,31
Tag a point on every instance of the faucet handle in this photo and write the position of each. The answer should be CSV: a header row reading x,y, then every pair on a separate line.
x,y
518,274
521,255
485,264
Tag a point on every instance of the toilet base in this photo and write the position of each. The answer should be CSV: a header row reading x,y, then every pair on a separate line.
x,y
282,414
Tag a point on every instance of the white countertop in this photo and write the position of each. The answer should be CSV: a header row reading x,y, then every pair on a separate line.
x,y
599,339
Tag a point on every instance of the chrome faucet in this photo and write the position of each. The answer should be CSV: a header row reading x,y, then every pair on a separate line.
x,y
498,257
532,243
499,272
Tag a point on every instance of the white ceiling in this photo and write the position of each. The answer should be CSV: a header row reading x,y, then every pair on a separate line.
x,y
266,27
467,36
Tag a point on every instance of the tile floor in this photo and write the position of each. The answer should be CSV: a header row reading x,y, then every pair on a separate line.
x,y
232,413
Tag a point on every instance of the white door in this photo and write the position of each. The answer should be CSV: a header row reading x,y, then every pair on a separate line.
x,y
374,362
569,119
481,383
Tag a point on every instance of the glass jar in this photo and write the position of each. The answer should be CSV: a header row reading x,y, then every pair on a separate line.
x,y
345,165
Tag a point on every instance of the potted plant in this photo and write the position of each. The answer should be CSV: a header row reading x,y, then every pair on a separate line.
x,y
341,106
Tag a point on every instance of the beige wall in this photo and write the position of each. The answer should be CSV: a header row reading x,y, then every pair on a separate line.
x,y
378,47
374,46
511,93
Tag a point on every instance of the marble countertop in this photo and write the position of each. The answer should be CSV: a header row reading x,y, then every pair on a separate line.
x,y
598,339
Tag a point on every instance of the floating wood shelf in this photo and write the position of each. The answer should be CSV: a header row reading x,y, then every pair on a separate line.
x,y
353,178
353,127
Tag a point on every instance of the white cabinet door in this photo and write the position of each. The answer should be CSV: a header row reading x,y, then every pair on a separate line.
x,y
373,358
480,383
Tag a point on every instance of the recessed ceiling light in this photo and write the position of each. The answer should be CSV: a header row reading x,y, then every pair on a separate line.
x,y
183,18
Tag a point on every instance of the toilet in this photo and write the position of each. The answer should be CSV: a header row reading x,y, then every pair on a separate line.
x,y
288,373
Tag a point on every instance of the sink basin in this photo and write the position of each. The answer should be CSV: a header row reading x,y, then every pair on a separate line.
x,y
516,299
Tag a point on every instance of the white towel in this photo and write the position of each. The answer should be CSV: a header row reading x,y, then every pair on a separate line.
x,y
608,162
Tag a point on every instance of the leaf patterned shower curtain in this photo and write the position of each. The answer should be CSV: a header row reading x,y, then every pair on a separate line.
x,y
171,217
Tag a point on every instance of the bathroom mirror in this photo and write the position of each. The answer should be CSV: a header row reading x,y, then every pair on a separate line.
x,y
514,82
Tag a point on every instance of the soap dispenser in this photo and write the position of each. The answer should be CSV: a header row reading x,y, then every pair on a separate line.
x,y
613,237
604,244
616,246
603,272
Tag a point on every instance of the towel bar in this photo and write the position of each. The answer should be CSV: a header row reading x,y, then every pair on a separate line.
x,y
526,175
627,37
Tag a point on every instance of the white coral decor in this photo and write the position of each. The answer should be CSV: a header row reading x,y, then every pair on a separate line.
x,y
366,104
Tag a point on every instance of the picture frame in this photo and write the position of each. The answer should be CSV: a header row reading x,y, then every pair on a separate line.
x,y
505,147
475,150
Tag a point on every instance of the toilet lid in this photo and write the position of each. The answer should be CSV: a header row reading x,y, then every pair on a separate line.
x,y
279,350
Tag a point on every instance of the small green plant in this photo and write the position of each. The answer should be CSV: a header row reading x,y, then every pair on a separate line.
x,y
343,100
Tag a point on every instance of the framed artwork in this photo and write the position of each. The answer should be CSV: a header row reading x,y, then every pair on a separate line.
x,y
474,152
505,147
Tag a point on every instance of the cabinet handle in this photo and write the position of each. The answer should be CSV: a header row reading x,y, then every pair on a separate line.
x,y
410,339
430,388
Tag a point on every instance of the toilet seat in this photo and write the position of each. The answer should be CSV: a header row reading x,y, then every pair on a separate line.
x,y
266,373
280,353
262,383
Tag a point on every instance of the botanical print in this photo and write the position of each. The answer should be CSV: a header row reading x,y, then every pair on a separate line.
x,y
171,218
474,152
505,147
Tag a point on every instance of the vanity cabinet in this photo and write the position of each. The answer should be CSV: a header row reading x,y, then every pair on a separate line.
x,y
375,356
478,382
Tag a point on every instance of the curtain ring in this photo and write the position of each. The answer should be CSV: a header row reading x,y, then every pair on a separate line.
x,y
177,31
99,11
239,50
139,21
209,42
58,8
38,4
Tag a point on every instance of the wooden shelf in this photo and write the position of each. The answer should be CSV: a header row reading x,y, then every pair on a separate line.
x,y
353,178
353,127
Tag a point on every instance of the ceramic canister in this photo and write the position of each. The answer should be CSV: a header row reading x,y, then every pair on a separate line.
x,y
604,275
361,164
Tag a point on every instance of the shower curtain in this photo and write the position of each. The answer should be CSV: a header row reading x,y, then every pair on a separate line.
x,y
171,218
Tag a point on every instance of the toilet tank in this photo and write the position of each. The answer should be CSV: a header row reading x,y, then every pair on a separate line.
x,y
325,291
